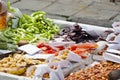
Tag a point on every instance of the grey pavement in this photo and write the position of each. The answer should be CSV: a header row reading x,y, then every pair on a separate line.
x,y
95,12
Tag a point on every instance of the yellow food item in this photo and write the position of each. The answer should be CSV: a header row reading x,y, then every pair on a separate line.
x,y
14,70
17,70
17,64
64,54
31,71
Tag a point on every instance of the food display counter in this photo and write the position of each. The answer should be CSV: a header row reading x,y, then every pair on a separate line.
x,y
33,47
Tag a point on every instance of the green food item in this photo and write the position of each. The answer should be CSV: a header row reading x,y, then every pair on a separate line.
x,y
16,14
7,46
3,46
6,43
9,7
32,28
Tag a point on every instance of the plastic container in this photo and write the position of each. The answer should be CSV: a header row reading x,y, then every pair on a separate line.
x,y
3,15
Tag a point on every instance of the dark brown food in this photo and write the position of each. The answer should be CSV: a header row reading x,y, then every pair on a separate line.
x,y
77,34
98,72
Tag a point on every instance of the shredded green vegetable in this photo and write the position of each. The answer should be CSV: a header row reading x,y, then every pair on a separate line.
x,y
9,7
32,28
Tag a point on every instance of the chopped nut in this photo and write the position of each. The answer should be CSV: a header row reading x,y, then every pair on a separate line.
x,y
97,72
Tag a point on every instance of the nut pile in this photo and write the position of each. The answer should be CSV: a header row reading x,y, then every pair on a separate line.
x,y
97,72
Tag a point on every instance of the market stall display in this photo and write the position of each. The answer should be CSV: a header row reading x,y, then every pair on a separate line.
x,y
37,47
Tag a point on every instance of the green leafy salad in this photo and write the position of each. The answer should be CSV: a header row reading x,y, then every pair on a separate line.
x,y
31,28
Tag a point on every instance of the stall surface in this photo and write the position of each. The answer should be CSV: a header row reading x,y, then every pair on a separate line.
x,y
96,12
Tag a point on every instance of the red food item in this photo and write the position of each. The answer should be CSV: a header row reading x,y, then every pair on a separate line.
x,y
44,46
84,45
47,48
81,52
83,49
51,52
60,47
72,48
40,45
88,45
